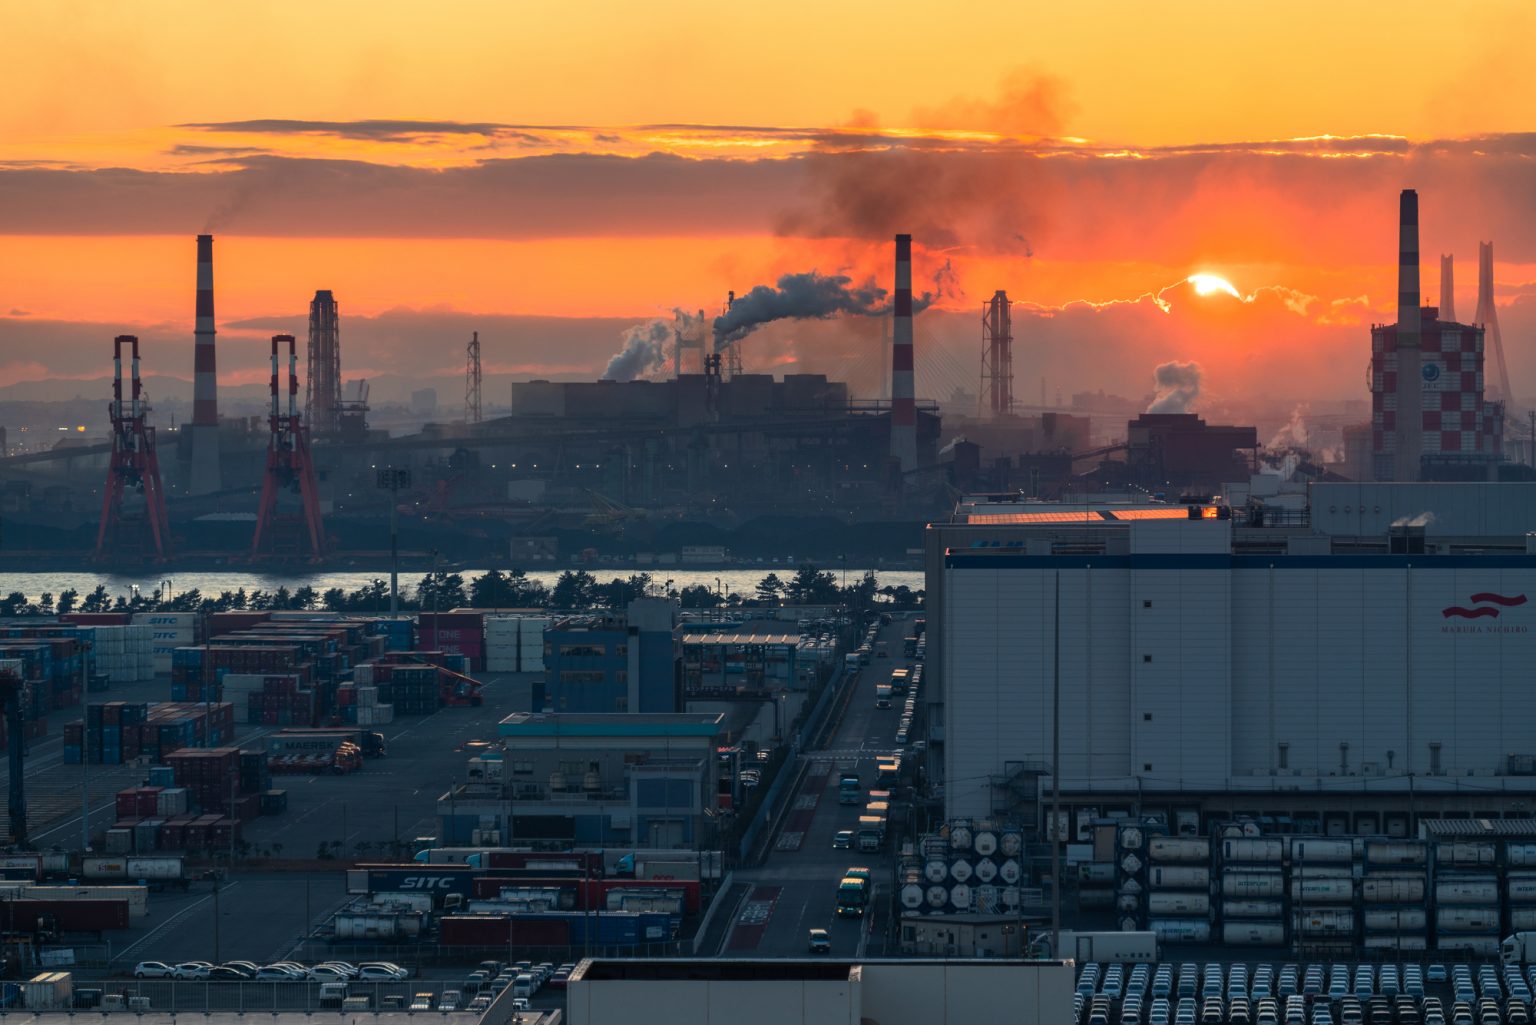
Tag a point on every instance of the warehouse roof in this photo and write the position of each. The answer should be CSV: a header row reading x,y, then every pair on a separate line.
x,y
1435,829
749,637
607,724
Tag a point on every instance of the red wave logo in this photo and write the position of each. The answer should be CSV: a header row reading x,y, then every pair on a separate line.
x,y
1483,599
1458,611
1498,599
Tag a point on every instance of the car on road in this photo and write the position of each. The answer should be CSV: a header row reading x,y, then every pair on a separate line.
x,y
192,970
842,840
153,970
821,941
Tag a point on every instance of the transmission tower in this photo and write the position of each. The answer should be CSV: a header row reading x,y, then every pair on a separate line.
x,y
134,465
997,355
472,380
322,397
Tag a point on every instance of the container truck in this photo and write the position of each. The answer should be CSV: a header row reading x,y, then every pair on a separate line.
x,y
849,789
334,755
155,872
882,695
1519,948
871,833
1100,946
294,739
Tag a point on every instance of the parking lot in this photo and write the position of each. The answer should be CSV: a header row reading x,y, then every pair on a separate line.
x,y
1214,993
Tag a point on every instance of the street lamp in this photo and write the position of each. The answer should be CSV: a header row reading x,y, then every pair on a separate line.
x,y
393,480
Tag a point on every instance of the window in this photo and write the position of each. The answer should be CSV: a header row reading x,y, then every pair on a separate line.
x,y
621,704
1146,603
572,677
582,651
522,767
1285,756
1146,766
621,651
621,677
1434,759
1146,717
1146,658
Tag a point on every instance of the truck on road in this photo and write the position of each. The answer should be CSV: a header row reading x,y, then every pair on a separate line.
x,y
1099,946
852,897
882,695
291,739
871,833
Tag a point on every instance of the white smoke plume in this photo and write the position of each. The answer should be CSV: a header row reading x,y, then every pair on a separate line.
x,y
1293,434
1178,385
813,295
645,350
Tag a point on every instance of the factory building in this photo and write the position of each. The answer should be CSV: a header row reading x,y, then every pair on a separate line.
x,y
614,662
596,780
1368,652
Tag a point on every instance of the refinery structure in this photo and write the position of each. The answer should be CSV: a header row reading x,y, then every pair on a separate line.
x,y
646,464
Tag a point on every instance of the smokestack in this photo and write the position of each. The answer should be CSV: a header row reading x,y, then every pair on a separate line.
x,y
1487,317
205,396
903,404
1448,289
1410,416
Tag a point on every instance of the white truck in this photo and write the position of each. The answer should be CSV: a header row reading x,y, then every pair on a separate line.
x,y
1519,948
1099,946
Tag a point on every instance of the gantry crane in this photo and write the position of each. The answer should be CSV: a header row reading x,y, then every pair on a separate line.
x,y
134,464
289,466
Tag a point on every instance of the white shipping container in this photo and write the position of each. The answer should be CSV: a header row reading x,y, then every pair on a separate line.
x,y
1464,853
1466,891
1522,919
1391,891
49,991
1467,919
1251,850
1252,884
1253,934
1518,855
1311,851
1324,922
1404,941
1177,848
1520,887
1180,930
1177,903
1486,946
1407,852
1252,909
1322,891
1186,877
1394,919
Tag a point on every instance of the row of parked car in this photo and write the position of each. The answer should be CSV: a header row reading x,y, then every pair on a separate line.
x,y
281,971
491,979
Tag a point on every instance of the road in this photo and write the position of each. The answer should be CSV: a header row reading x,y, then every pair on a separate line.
x,y
795,891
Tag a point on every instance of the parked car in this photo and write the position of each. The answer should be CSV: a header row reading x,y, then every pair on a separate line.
x,y
247,969
192,970
346,966
328,973
219,973
381,973
280,973
449,1000
559,979
153,970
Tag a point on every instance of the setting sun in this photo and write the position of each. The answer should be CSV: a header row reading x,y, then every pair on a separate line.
x,y
1209,284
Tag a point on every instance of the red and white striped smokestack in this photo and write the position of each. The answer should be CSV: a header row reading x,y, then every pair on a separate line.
x,y
903,403
1410,414
204,475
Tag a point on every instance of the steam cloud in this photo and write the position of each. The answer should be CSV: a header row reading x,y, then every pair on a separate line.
x,y
813,295
1178,385
645,346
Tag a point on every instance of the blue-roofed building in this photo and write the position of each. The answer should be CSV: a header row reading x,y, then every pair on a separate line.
x,y
598,780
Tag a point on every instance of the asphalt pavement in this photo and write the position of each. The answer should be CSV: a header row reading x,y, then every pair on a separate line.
x,y
795,890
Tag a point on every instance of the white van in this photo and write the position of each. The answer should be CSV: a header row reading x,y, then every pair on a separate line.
x,y
524,985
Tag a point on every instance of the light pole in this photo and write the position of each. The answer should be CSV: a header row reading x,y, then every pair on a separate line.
x,y
392,480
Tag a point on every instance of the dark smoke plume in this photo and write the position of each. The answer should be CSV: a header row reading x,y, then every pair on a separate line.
x,y
1178,385
646,346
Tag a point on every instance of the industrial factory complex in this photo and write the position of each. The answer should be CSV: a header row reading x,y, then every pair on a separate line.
x,y
1164,689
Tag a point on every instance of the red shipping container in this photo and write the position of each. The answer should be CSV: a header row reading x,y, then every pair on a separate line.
x,y
127,803
97,618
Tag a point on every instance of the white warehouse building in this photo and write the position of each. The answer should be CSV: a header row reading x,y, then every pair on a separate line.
x,y
1361,666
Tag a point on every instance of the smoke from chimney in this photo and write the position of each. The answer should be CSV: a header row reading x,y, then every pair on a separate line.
x,y
646,347
1178,385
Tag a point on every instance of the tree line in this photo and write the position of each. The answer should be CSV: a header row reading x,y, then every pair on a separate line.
x,y
574,590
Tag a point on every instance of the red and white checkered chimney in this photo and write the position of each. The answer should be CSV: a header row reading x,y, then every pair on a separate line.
x,y
903,403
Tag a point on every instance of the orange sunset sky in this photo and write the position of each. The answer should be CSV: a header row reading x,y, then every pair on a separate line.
x,y
548,173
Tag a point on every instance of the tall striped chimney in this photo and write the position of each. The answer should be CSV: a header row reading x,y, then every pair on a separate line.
x,y
1448,289
204,476
903,404
1410,415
